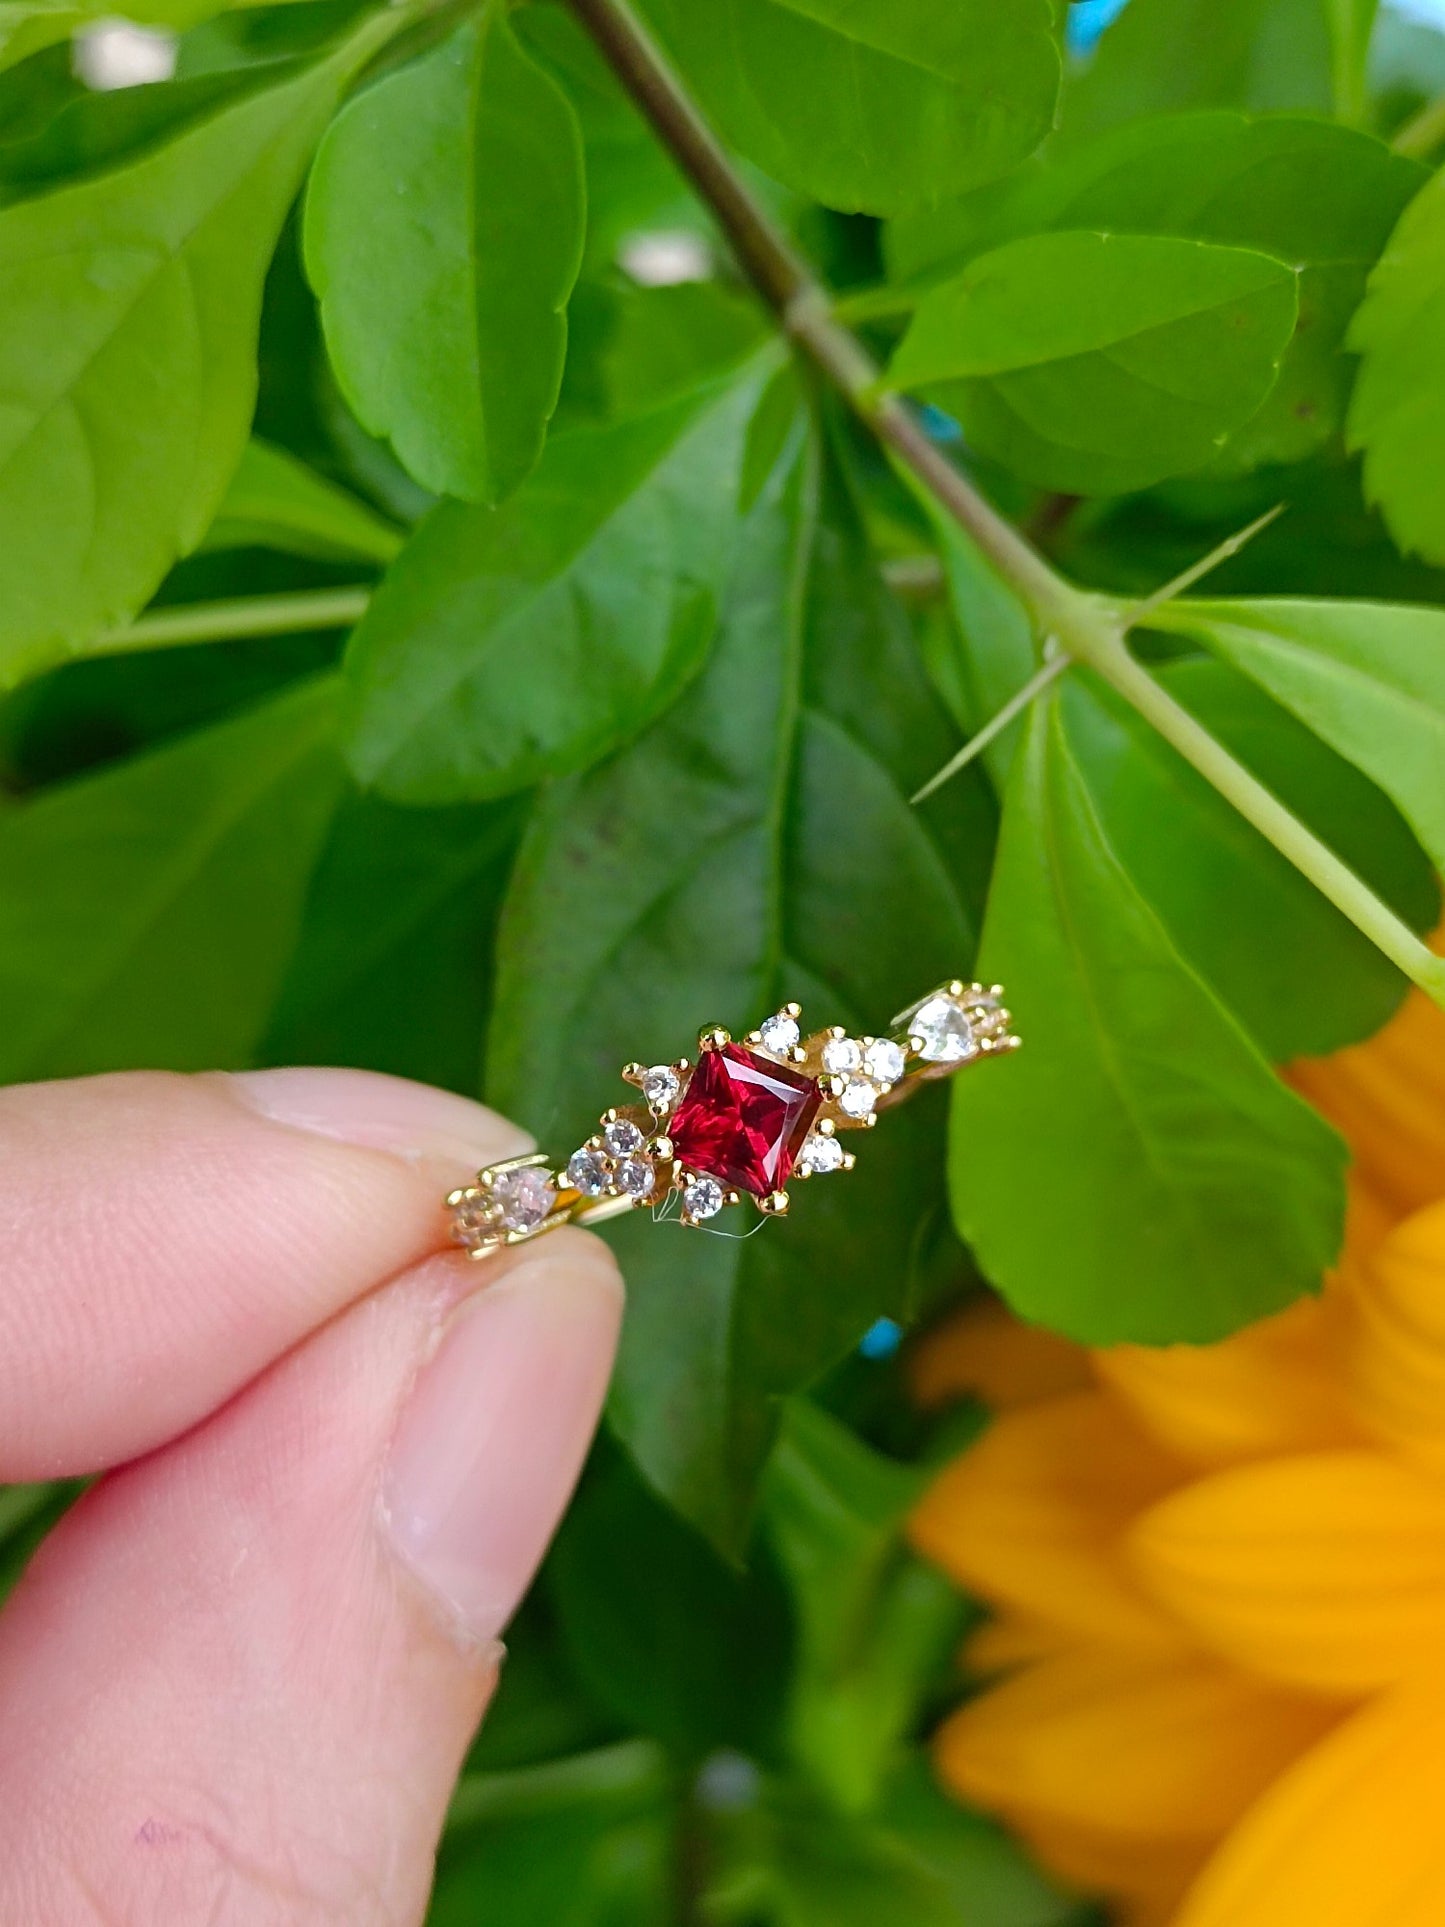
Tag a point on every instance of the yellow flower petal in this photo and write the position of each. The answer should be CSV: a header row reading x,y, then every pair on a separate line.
x,y
1325,1571
1274,1387
1174,1748
1395,1344
1351,1837
1009,1640
1388,1097
987,1352
1032,1516
1146,1879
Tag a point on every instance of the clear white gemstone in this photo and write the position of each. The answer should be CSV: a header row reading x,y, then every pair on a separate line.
x,y
526,1197
944,1033
587,1172
780,1032
622,1137
841,1055
636,1177
820,1153
703,1198
884,1060
859,1097
660,1086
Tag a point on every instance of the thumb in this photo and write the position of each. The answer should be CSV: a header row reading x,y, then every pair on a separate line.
x,y
238,1681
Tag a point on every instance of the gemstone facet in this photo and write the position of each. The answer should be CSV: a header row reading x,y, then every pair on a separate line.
x,y
859,1097
743,1120
841,1055
884,1061
942,1031
636,1176
703,1198
780,1033
526,1197
622,1137
660,1086
587,1172
820,1154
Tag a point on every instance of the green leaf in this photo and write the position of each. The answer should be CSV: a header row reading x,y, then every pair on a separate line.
x,y
277,502
1398,413
666,1636
1321,197
1137,1172
392,968
876,1629
580,1842
797,1862
444,230
147,913
128,359
1162,349
514,643
1368,678
1162,56
872,105
1297,974
754,846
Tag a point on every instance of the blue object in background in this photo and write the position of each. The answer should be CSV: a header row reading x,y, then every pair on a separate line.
x,y
881,1340
1088,19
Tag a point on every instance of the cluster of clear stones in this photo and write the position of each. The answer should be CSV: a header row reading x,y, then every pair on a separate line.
x,y
868,1066
614,1165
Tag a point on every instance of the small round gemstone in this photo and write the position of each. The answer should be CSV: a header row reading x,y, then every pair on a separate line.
x,y
473,1221
821,1153
703,1198
622,1137
587,1172
883,1060
635,1177
859,1097
660,1086
526,1197
944,1033
779,1033
842,1055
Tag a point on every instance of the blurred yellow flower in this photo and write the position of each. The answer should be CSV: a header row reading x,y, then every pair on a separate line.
x,y
1216,1662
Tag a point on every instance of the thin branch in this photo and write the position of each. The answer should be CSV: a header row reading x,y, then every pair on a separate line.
x,y
1423,132
1230,546
1088,628
1015,706
277,615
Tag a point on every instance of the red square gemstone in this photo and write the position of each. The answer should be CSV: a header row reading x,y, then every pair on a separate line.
x,y
743,1119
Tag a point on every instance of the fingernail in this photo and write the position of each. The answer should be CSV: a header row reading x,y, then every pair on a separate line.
x,y
381,1113
495,1431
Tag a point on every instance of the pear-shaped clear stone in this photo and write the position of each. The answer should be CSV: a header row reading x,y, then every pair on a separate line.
x,y
942,1031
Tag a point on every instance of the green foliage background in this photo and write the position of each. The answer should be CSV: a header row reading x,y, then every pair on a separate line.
x,y
427,644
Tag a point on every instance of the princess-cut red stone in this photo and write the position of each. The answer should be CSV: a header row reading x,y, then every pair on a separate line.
x,y
743,1119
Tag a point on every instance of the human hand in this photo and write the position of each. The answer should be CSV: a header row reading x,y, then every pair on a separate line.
x,y
238,1680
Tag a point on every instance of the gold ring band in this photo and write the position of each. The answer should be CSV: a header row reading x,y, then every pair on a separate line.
x,y
741,1120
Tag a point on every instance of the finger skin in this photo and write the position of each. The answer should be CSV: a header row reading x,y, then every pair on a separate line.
x,y
226,1699
162,1240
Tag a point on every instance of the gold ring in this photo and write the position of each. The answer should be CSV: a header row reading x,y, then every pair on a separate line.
x,y
741,1121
